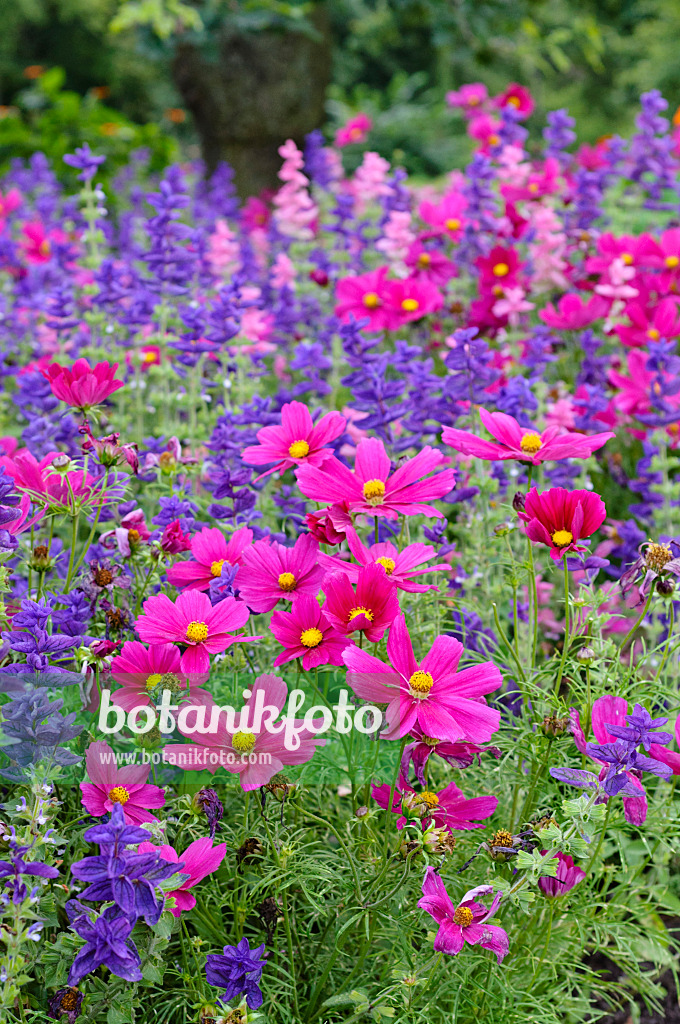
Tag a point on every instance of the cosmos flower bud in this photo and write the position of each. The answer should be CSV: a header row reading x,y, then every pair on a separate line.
x,y
585,655
40,559
62,463
518,502
665,587
553,726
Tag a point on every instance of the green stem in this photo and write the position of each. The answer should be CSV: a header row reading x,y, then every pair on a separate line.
x,y
388,810
565,646
631,631
507,643
666,652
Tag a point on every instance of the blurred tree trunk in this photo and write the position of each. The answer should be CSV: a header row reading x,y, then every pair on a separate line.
x,y
262,88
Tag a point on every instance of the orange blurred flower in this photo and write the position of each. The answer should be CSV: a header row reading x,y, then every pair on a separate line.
x,y
176,115
109,128
34,71
100,92
676,118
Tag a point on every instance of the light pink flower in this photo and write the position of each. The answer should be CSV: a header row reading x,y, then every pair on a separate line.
x,y
444,703
297,441
199,859
373,489
111,785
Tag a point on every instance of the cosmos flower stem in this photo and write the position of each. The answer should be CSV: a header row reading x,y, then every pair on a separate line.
x,y
345,850
546,945
86,546
72,556
605,823
388,809
507,642
540,771
667,650
565,645
286,921
631,632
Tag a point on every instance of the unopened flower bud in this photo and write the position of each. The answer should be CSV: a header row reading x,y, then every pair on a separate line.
x,y
585,655
518,502
502,529
319,277
361,812
553,726
665,587
61,463
40,558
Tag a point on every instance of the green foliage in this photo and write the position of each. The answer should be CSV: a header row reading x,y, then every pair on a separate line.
x,y
55,120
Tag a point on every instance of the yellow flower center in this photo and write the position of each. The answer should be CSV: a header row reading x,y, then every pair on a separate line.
x,y
387,564
420,684
561,538
360,610
428,798
311,637
374,491
672,262
298,450
463,916
287,582
243,742
216,567
152,681
197,632
424,259
627,258
119,795
656,556
501,270
494,140
44,248
531,443
371,300
431,741
653,334
148,357
452,224
514,101
410,305
533,187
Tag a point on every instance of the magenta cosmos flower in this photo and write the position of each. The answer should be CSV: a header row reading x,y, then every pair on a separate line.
x,y
411,299
144,672
254,756
297,441
400,566
373,488
465,923
305,632
609,710
199,859
355,131
524,443
448,809
560,519
270,572
364,296
434,696
111,785
568,875
195,623
370,610
210,552
82,386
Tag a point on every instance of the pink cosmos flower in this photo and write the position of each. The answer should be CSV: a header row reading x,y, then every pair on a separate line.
x,y
364,296
512,304
486,129
609,710
449,809
446,217
305,632
211,551
36,243
270,572
458,755
355,131
465,923
500,267
560,519
82,386
128,535
50,486
330,525
8,203
174,540
195,623
666,756
199,860
22,523
573,313
297,441
411,299
661,322
469,97
400,566
254,756
145,672
568,875
523,443
111,785
433,696
372,489
371,609
430,265
518,97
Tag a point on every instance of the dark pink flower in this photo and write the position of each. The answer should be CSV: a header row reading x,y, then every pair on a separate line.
x,y
355,131
364,296
211,551
469,97
431,695
560,519
499,269
411,299
523,443
145,672
82,386
568,875
650,325
465,923
446,217
449,808
305,632
330,525
193,622
400,566
370,610
199,859
111,785
270,572
573,313
373,489
174,540
297,441
517,97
